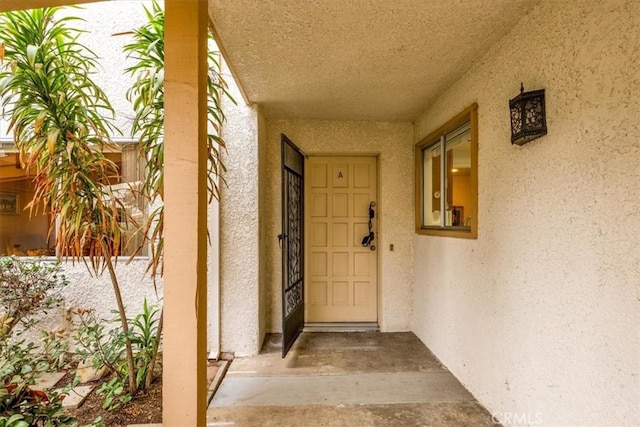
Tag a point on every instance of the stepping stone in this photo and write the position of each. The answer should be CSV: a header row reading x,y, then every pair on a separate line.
x,y
48,380
144,425
76,396
85,372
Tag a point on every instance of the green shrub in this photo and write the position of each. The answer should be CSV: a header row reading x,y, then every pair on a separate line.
x,y
22,405
107,348
27,288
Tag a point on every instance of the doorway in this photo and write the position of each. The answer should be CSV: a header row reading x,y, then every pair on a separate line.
x,y
342,275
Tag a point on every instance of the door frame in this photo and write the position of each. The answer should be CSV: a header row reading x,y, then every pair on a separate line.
x,y
328,327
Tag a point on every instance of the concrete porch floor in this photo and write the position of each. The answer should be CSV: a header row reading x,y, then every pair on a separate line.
x,y
344,379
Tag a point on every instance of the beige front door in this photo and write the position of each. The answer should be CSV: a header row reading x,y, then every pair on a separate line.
x,y
341,283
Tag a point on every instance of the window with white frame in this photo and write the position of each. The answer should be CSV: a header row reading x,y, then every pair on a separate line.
x,y
446,178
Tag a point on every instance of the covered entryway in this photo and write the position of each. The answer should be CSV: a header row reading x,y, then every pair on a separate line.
x,y
380,153
344,379
506,312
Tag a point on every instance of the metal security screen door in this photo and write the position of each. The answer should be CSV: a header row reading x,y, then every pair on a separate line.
x,y
292,239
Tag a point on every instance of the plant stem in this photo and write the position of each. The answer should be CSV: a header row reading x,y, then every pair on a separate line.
x,y
152,364
125,326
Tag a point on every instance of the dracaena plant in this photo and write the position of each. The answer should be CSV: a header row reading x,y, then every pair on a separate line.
x,y
61,121
146,50
147,97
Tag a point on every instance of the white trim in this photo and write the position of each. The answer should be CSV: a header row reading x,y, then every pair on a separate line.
x,y
213,281
341,327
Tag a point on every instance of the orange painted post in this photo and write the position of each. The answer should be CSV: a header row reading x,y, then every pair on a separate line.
x,y
185,252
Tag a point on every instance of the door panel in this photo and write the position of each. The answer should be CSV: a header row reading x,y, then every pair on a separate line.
x,y
292,241
342,274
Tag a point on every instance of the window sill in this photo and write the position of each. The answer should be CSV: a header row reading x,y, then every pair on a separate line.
x,y
458,232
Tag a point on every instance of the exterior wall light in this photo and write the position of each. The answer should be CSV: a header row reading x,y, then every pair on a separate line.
x,y
528,120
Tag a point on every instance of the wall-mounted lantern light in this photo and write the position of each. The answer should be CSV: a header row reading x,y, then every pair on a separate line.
x,y
528,120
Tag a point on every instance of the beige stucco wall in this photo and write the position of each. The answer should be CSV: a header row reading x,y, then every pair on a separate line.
x,y
539,316
86,290
239,229
392,142
108,27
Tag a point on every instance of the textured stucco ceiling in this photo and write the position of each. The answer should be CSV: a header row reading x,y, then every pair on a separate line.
x,y
356,59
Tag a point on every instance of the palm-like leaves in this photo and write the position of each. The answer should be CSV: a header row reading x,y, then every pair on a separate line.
x,y
61,122
147,97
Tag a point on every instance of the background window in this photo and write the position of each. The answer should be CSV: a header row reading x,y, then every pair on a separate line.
x,y
446,178
131,167
22,235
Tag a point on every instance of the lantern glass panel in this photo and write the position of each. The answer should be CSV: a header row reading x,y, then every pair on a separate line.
x,y
527,117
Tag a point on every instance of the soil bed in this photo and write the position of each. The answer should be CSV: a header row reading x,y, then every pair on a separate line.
x,y
144,408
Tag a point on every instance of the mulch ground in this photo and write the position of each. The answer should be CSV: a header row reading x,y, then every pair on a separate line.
x,y
144,408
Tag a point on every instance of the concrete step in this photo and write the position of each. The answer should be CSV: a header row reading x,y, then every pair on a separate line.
x,y
357,389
